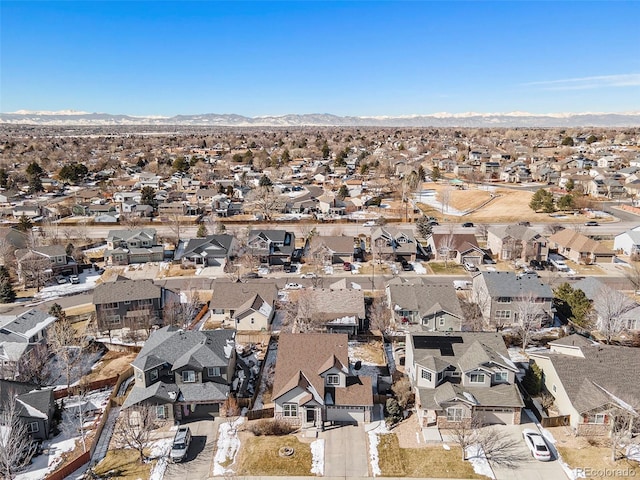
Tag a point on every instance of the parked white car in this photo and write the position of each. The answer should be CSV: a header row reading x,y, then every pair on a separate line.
x,y
293,286
369,223
309,275
536,444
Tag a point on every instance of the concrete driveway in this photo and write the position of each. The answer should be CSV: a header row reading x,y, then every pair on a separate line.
x,y
199,461
528,468
345,451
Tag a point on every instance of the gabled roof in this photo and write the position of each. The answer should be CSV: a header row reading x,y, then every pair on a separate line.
x,y
569,238
212,245
328,304
336,244
519,232
178,348
508,284
126,235
233,295
124,289
28,323
426,299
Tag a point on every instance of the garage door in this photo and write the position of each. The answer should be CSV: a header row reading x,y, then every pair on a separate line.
x,y
345,414
201,411
492,416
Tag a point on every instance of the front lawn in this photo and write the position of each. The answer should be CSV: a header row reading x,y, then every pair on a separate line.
x,y
123,464
450,269
259,456
418,462
596,458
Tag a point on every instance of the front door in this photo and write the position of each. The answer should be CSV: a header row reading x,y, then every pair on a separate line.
x,y
311,415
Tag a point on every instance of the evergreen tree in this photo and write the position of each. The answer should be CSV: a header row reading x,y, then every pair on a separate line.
x,y
181,164
202,231
56,311
148,196
4,272
35,185
265,181
532,381
34,170
566,202
542,200
570,185
325,150
436,174
573,304
343,192
421,174
286,157
4,178
7,294
424,226
24,223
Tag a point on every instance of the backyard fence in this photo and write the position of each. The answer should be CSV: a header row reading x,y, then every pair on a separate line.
x,y
263,413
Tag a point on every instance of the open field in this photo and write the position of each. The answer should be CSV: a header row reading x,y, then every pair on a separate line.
x,y
414,462
259,456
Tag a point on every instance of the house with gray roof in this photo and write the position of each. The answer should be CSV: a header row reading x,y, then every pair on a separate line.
x,y
52,260
210,251
628,242
133,246
330,249
460,375
517,242
132,304
18,334
185,375
244,305
271,247
35,406
506,297
435,307
335,310
393,242
590,382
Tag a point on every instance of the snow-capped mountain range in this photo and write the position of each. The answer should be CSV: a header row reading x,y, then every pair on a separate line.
x,y
443,119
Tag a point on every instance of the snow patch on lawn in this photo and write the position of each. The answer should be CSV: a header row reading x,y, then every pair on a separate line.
x,y
418,268
87,282
160,451
633,452
475,455
317,452
374,459
227,447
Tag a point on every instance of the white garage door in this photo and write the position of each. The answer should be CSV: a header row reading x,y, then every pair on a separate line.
x,y
345,414
492,416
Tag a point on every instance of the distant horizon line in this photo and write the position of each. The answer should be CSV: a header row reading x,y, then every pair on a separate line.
x,y
513,113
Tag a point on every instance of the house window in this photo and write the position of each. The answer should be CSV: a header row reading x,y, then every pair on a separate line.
x,y
145,302
476,378
440,376
441,321
455,373
33,427
426,374
501,377
110,305
188,376
153,375
503,300
455,414
127,302
599,418
503,314
113,320
333,379
214,371
290,410
162,411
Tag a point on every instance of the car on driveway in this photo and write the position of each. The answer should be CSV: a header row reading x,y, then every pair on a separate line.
x,y
346,266
74,279
591,223
470,267
250,275
180,445
61,279
536,445
370,223
467,224
309,275
293,286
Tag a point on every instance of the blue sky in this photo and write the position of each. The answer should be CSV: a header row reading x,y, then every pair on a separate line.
x,y
345,58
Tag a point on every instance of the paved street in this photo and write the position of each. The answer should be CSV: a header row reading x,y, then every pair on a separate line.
x,y
199,462
345,453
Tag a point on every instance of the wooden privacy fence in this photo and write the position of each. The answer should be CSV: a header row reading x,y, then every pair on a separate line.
x,y
71,466
559,421
263,413
95,385
199,316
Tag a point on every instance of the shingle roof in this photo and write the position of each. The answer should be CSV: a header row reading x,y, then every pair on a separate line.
x,y
213,245
568,238
519,232
232,295
122,290
615,369
337,244
508,284
426,298
328,304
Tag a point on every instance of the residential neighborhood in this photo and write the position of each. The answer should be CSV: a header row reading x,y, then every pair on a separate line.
x,y
362,298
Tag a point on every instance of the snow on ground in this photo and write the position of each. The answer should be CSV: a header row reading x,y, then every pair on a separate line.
x,y
367,368
475,455
227,447
87,282
373,448
317,452
418,268
53,448
516,355
160,451
633,452
83,361
268,373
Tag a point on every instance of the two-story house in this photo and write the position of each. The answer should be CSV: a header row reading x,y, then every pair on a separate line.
x,y
18,334
184,374
394,243
35,406
133,304
313,383
52,260
133,246
244,305
272,247
461,375
517,242
435,307
580,248
590,381
210,251
505,297
628,242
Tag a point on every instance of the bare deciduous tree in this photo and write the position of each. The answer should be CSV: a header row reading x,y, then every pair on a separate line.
x,y
134,428
15,440
62,342
445,246
379,316
610,306
529,315
298,313
265,201
34,365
